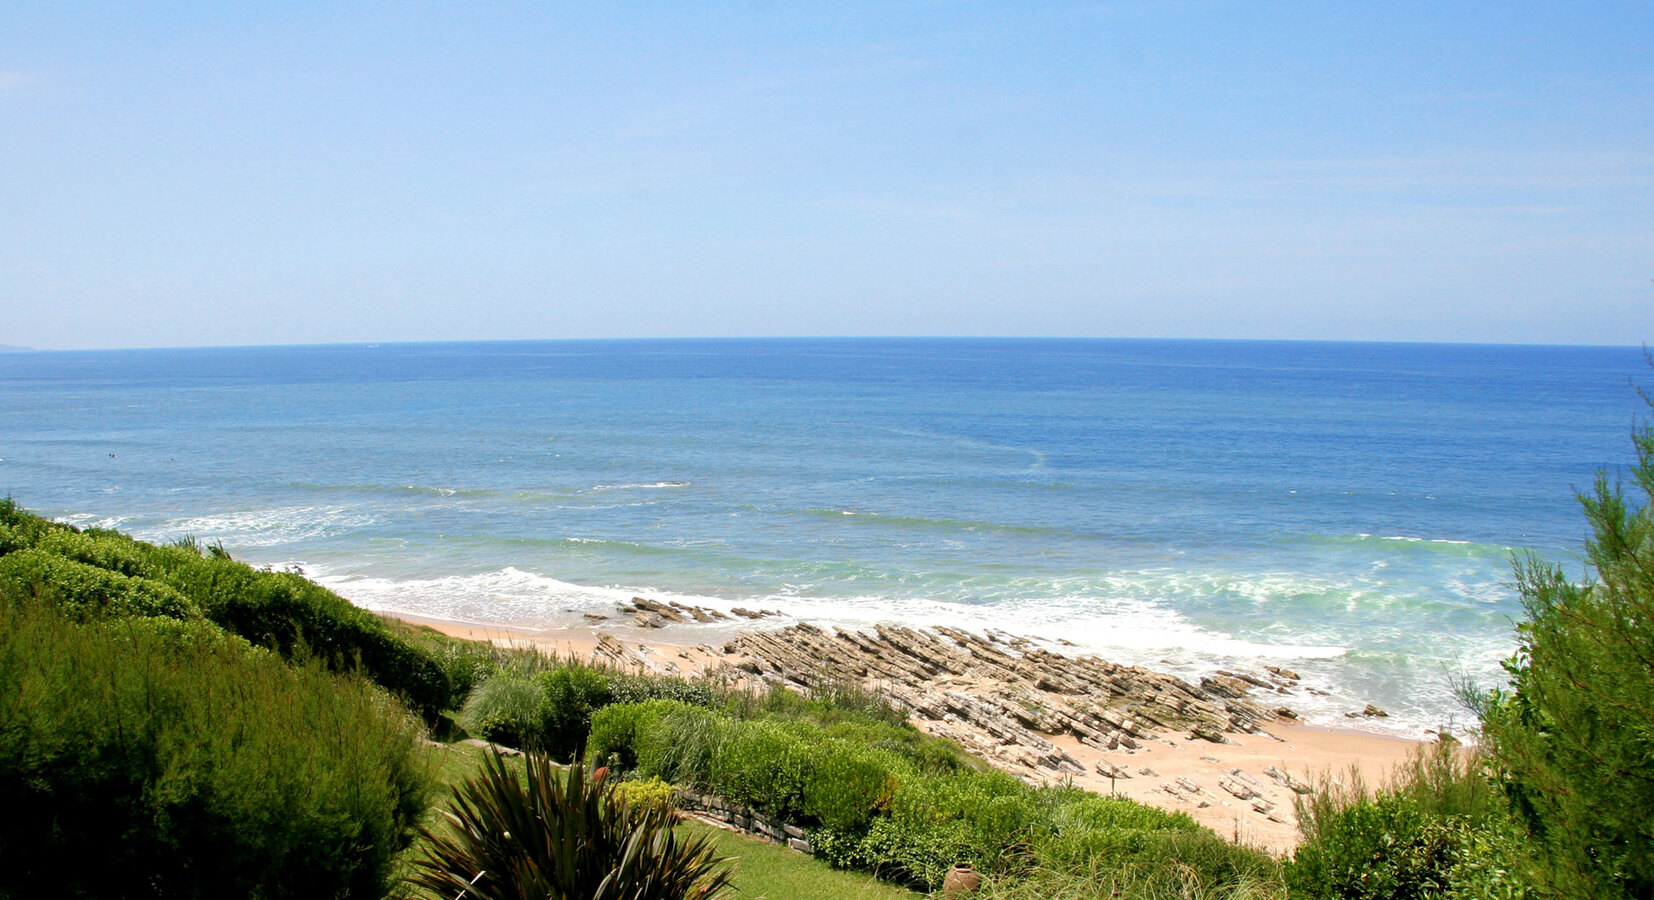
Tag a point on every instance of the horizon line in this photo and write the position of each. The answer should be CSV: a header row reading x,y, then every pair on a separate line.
x,y
8,350
12,349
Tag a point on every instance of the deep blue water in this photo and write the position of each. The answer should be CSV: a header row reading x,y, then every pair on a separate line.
x,y
1349,510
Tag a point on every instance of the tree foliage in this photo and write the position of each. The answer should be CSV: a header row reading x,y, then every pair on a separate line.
x,y
1573,738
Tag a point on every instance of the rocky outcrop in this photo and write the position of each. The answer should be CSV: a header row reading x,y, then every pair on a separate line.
x,y
648,613
1003,697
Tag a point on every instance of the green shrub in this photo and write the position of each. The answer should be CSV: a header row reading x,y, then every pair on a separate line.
x,y
569,694
1445,780
505,709
850,713
1073,809
1161,879
22,529
622,732
1494,861
552,710
1381,849
871,807
761,764
103,549
96,572
788,769
1440,828
84,591
920,750
847,784
612,740
467,663
164,758
1572,739
628,688
824,704
648,793
1087,829
297,617
988,819
679,743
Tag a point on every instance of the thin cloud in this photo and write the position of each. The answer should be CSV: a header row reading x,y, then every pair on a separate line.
x,y
11,81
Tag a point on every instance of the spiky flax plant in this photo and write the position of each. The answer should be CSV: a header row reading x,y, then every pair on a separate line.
x,y
553,835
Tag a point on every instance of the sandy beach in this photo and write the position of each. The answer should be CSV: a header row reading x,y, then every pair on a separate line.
x,y
1241,785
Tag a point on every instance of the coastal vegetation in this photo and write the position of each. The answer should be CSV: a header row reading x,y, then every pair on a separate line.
x,y
1572,740
550,834
206,728
159,757
1556,802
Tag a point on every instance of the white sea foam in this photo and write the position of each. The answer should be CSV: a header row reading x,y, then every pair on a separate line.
x,y
1120,629
640,486
261,527
508,596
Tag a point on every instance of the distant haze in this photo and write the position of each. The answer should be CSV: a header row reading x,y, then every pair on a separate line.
x,y
208,174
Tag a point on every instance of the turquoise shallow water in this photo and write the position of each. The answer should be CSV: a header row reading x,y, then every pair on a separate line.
x,y
1348,510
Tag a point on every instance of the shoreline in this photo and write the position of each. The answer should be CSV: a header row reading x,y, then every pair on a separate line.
x,y
1241,785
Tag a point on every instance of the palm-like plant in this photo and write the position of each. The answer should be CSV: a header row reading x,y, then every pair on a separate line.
x,y
561,837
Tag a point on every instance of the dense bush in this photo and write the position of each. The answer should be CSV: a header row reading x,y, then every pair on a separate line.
x,y
569,695
988,819
1145,878
1573,736
84,591
625,687
1086,827
505,709
1439,829
297,617
548,706
1381,849
848,784
665,739
651,792
825,704
164,758
788,769
876,807
96,572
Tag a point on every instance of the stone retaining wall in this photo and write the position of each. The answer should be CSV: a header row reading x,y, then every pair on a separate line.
x,y
744,819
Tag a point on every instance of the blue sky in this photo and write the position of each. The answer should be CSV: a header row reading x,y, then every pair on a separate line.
x,y
178,174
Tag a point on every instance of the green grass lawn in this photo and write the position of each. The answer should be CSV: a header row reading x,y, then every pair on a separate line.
x,y
774,872
762,869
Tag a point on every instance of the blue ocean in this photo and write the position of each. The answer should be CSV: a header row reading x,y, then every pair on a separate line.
x,y
1349,511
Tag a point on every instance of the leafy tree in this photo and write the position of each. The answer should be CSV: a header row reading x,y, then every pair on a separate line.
x,y
1573,738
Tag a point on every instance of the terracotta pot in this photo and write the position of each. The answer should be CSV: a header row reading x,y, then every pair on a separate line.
x,y
961,880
